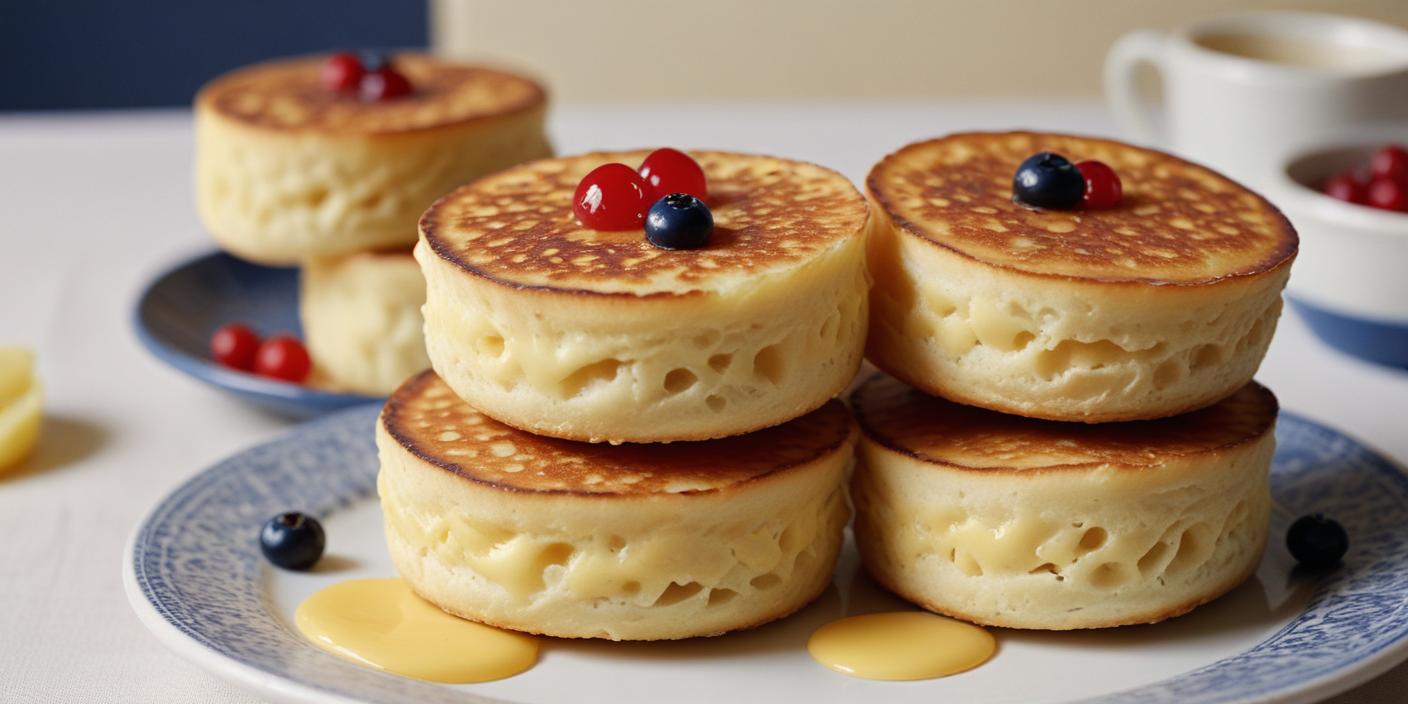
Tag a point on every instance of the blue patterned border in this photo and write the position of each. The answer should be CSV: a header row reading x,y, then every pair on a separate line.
x,y
196,561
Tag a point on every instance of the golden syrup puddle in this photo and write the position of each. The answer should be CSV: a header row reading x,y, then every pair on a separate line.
x,y
382,624
906,645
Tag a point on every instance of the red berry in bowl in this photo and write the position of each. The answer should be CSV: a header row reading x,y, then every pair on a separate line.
x,y
669,171
284,358
1346,187
1390,161
234,346
611,197
1102,185
385,83
342,72
1388,194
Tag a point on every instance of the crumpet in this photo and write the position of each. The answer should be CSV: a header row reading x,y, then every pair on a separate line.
x,y
1160,305
287,169
575,333
1022,523
624,542
361,319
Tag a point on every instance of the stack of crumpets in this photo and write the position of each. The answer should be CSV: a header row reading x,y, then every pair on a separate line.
x,y
327,162
623,438
1088,449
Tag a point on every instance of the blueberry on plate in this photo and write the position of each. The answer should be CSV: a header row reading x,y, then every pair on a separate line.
x,y
679,221
1316,541
1048,180
292,541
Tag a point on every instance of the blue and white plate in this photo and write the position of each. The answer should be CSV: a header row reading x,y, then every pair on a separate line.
x,y
182,308
194,576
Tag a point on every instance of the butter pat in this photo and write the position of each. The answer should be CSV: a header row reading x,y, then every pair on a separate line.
x,y
21,407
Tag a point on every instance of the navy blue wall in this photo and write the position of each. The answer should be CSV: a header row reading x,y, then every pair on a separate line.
x,y
59,54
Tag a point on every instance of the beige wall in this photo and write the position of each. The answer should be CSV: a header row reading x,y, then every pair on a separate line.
x,y
611,50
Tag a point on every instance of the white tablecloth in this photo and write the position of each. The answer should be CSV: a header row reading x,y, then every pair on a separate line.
x,y
93,205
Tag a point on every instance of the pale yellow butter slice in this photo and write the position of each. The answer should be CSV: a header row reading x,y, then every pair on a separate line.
x,y
21,406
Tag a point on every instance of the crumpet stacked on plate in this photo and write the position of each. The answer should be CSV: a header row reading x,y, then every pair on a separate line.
x,y
1024,523
624,542
294,169
561,330
288,169
1163,304
1029,506
517,478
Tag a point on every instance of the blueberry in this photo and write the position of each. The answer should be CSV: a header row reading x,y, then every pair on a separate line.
x,y
1316,541
292,540
679,221
1048,180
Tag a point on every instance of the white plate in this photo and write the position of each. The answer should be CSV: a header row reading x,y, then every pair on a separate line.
x,y
195,577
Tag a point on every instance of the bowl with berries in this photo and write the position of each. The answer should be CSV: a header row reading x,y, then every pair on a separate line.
x,y
1348,199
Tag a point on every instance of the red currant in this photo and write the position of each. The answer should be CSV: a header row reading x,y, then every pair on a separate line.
x,y
342,72
1390,161
283,357
384,83
234,346
1388,194
1102,185
1346,187
669,171
611,197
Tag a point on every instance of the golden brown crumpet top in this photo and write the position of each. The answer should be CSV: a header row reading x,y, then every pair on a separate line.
x,y
289,95
1177,223
517,227
950,434
427,419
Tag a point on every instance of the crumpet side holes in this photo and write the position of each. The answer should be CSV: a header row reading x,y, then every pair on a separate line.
x,y
679,380
768,364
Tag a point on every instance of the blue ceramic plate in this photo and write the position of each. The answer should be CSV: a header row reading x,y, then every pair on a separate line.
x,y
194,575
178,312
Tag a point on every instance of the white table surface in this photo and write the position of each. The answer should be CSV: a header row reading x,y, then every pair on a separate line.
x,y
93,205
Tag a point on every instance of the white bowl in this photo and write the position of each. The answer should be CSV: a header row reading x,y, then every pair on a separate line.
x,y
1350,280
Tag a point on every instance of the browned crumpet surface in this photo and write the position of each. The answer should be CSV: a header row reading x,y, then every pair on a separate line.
x,y
942,432
289,95
427,419
1178,222
517,226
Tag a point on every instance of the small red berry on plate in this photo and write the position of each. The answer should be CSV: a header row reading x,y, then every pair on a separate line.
x,y
1102,185
669,171
234,346
342,72
385,83
1346,187
611,197
1390,161
283,357
1388,194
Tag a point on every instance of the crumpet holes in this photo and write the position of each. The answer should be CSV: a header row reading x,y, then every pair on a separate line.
x,y
1152,561
720,362
769,364
1190,550
675,593
1108,575
491,346
1092,539
1207,356
679,380
765,582
719,597
599,372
